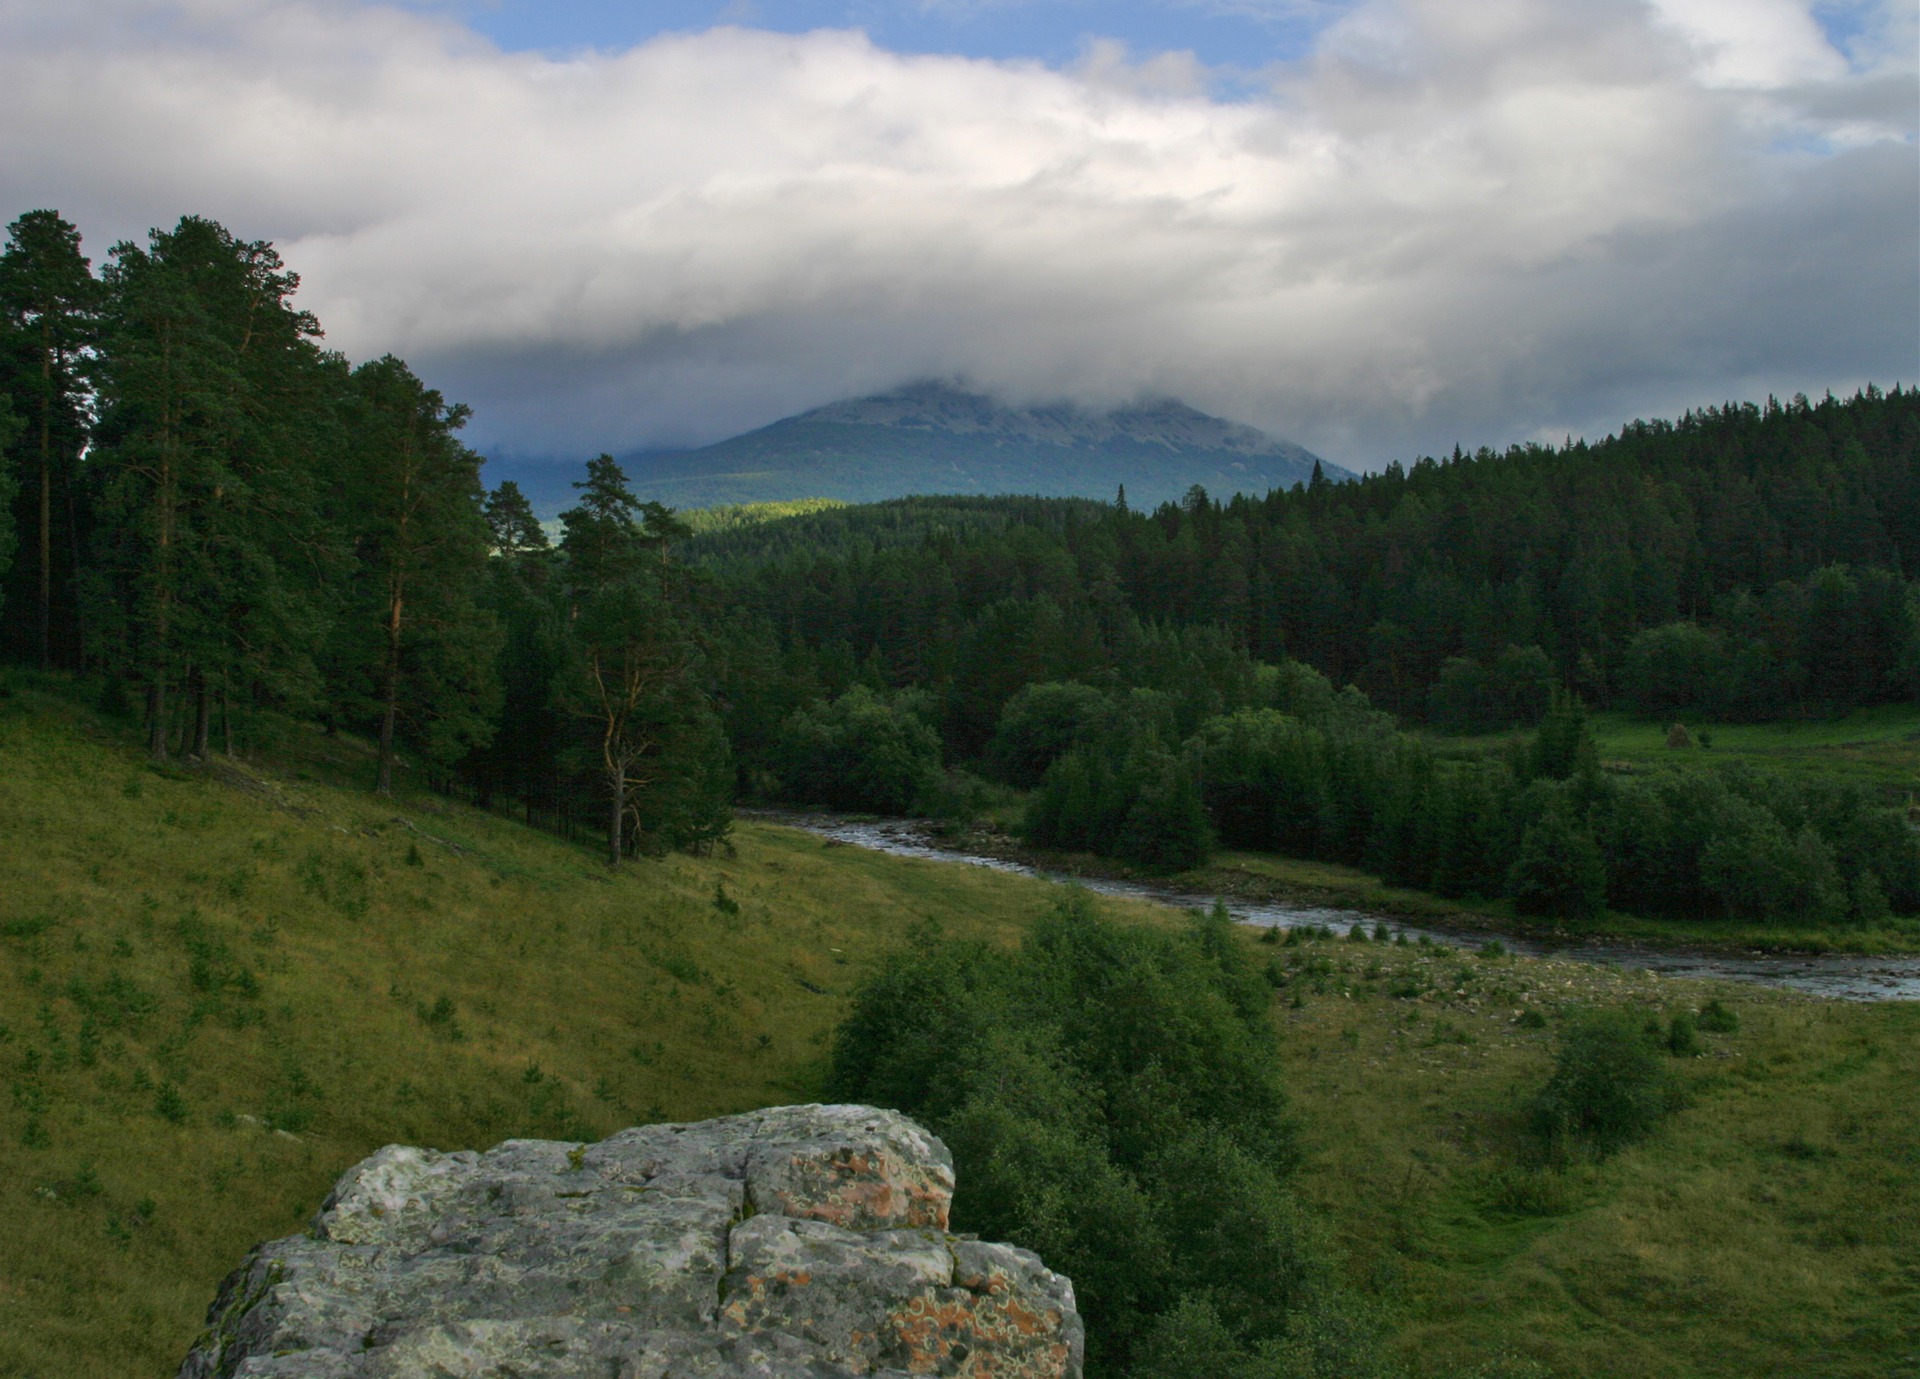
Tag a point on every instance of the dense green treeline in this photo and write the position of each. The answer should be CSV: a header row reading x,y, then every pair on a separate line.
x,y
1745,561
1314,774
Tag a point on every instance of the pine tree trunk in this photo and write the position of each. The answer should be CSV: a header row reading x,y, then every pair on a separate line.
x,y
383,785
46,559
226,720
77,651
616,811
46,496
157,718
163,579
183,739
390,705
202,717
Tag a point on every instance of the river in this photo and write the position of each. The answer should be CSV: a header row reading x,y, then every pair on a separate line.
x,y
1843,976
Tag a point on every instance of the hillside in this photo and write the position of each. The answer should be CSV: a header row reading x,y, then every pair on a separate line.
x,y
931,438
218,989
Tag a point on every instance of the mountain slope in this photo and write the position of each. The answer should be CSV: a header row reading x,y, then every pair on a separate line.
x,y
932,438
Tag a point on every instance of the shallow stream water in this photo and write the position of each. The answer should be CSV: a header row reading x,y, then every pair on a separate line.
x,y
1843,976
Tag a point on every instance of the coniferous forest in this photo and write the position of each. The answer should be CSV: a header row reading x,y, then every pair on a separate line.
x,y
211,517
213,527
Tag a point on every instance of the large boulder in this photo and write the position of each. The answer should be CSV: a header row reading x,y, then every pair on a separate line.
x,y
795,1243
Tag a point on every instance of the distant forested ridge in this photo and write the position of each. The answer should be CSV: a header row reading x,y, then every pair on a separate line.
x,y
932,437
1745,561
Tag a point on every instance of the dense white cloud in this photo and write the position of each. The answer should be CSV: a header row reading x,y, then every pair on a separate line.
x,y
1757,43
1452,220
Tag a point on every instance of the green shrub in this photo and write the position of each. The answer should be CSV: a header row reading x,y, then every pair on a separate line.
x,y
1676,667
960,797
1190,1341
859,752
1109,1097
1142,806
1167,828
1715,1018
1038,725
1682,1037
1608,1087
1559,872
169,1105
1758,870
1869,899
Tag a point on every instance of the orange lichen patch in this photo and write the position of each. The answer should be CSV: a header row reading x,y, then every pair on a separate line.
x,y
861,1191
978,1335
982,1280
750,1299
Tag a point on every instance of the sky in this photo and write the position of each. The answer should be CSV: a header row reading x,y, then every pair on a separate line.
x,y
1375,227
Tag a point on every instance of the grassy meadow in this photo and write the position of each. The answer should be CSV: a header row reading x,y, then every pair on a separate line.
x,y
219,989
1876,747
1770,1227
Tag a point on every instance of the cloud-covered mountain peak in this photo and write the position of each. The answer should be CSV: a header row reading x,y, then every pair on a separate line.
x,y
934,406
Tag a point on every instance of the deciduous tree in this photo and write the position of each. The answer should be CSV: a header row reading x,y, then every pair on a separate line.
x,y
636,655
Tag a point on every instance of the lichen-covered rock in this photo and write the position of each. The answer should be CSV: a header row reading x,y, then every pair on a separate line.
x,y
801,1242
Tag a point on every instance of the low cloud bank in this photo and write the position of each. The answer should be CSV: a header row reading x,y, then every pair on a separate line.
x,y
1450,222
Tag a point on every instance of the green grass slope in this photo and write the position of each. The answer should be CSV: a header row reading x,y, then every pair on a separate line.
x,y
1878,747
1771,1227
217,991
220,989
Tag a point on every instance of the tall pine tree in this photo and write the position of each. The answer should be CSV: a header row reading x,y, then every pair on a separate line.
x,y
417,648
214,404
49,300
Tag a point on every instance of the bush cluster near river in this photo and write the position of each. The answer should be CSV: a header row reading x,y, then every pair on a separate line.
x,y
219,988
1316,775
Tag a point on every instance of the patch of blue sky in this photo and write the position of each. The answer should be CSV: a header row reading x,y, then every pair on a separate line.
x,y
1845,22
1234,35
1867,32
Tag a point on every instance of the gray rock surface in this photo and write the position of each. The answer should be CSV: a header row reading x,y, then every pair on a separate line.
x,y
800,1242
